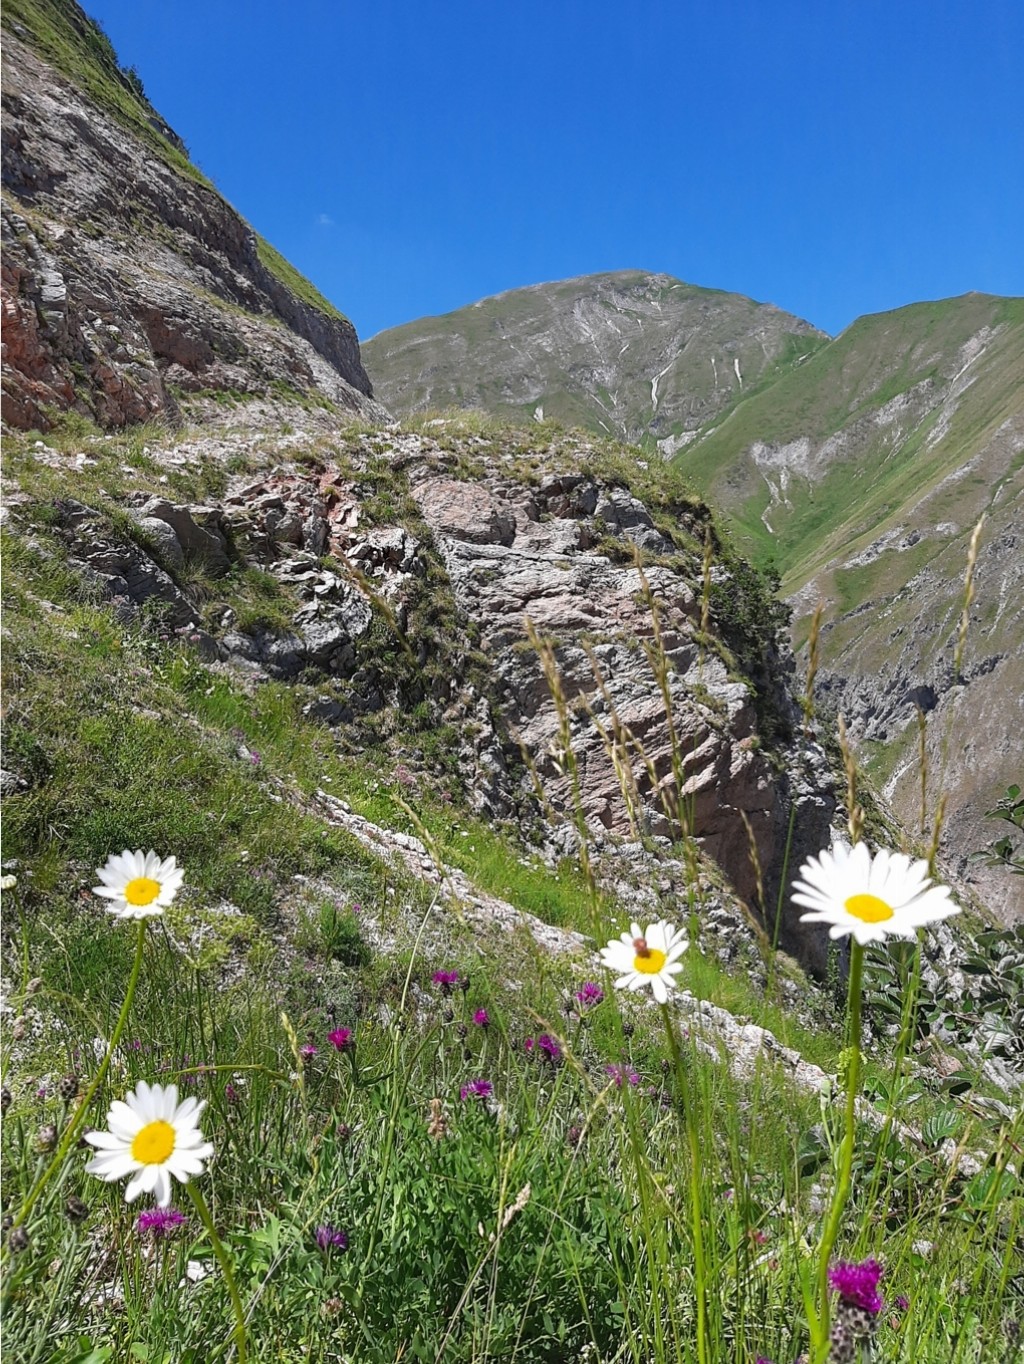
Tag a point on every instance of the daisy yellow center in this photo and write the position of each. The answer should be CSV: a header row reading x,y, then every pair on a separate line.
x,y
142,891
649,962
154,1143
868,908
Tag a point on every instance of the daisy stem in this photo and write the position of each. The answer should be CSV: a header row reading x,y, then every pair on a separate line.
x,y
199,1203
820,1330
700,1268
75,1125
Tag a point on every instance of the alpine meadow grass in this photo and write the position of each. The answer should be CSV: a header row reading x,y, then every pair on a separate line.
x,y
355,1126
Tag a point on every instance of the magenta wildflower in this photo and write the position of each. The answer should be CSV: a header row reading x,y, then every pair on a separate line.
x,y
307,1050
476,1089
857,1284
447,980
231,1093
545,1048
329,1237
622,1075
159,1223
589,995
342,1039
481,1018
903,1303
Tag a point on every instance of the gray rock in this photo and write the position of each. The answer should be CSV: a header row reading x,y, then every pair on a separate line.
x,y
198,530
168,544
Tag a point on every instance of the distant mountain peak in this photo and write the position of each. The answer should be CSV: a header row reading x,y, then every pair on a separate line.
x,y
630,353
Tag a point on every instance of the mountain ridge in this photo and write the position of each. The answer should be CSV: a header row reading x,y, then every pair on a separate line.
x,y
559,349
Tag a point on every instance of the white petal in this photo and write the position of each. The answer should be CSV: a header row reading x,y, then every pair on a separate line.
x,y
111,1165
162,1185
137,1185
105,1141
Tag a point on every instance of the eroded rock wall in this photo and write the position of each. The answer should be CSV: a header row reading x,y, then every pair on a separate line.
x,y
126,281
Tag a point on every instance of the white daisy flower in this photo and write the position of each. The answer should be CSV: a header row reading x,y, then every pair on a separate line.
x,y
650,958
151,1137
137,884
873,898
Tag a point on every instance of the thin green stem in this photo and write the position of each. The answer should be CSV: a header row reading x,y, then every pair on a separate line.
x,y
696,1221
820,1329
75,1125
199,1203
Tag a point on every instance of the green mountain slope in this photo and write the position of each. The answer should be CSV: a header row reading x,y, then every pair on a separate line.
x,y
862,475
834,451
634,355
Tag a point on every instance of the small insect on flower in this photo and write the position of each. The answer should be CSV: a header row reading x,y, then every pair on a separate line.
x,y
650,958
138,885
872,898
151,1138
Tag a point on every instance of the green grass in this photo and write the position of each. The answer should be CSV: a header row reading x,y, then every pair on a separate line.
x,y
843,383
293,280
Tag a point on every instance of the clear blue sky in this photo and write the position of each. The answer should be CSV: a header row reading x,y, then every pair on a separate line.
x,y
835,157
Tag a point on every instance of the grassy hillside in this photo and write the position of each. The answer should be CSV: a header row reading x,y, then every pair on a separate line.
x,y
832,454
438,1131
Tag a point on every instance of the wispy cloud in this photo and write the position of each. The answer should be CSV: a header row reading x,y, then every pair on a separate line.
x,y
324,220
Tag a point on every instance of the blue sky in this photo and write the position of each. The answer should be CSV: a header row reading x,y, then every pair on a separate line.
x,y
835,157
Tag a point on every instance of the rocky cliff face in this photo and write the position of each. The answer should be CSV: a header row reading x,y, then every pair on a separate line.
x,y
408,567
127,280
642,357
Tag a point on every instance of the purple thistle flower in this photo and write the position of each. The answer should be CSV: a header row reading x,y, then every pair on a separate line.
x,y
857,1284
447,980
307,1050
481,1018
589,995
342,1039
231,1093
903,1303
329,1237
620,1074
159,1223
545,1047
476,1089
